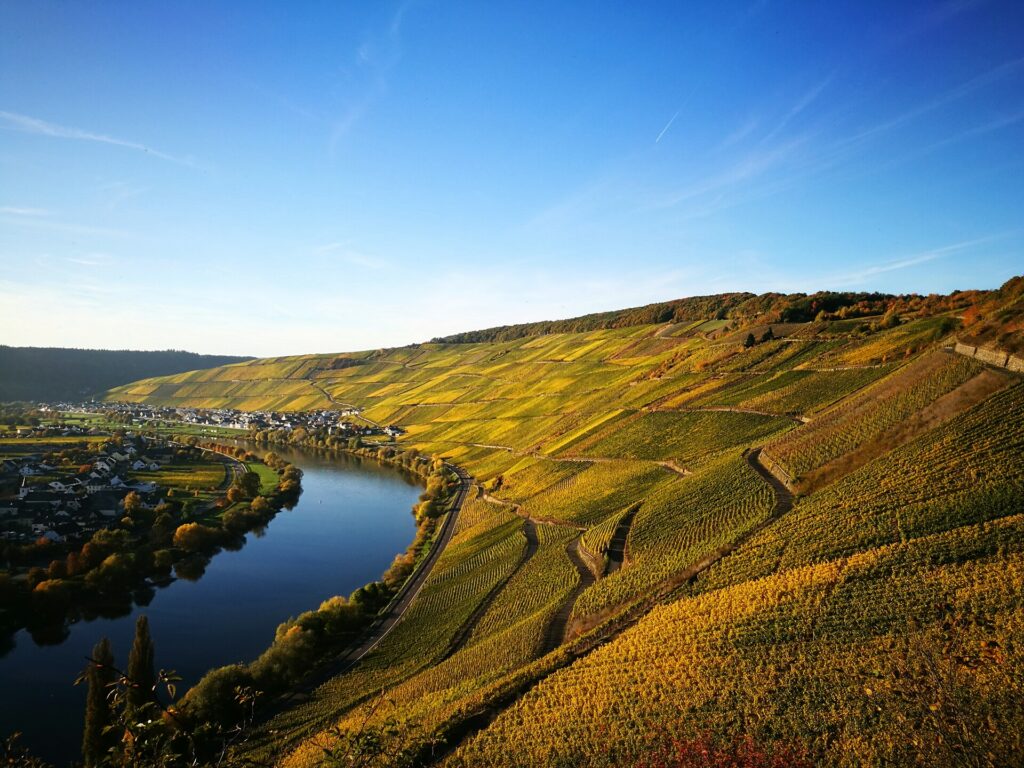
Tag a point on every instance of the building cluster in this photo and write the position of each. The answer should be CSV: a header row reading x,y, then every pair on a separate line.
x,y
333,422
44,500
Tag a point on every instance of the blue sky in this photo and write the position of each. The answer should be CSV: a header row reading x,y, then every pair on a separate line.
x,y
282,178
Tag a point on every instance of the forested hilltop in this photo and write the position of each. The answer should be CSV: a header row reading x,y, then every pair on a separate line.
x,y
790,534
740,308
53,373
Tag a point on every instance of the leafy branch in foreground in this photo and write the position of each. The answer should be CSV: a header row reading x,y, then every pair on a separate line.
x,y
394,743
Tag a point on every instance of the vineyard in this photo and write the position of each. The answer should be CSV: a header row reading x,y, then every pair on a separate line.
x,y
813,655
805,527
873,411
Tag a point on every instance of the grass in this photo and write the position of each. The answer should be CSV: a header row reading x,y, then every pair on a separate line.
x,y
268,477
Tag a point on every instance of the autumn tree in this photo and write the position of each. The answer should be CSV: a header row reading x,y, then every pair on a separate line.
x,y
132,503
195,537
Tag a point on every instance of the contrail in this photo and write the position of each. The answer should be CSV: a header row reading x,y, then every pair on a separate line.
x,y
667,126
27,124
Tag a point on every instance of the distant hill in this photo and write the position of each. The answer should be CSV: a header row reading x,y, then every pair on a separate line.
x,y
52,373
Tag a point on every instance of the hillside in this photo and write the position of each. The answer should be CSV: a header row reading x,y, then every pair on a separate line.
x,y
51,373
799,526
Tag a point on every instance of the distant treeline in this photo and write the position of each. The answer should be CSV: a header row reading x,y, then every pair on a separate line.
x,y
50,373
743,307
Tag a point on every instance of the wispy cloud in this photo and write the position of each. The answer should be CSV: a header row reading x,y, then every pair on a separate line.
x,y
34,125
116,192
375,58
966,88
738,135
935,15
344,253
861,276
746,169
14,210
91,259
45,223
802,103
813,160
991,126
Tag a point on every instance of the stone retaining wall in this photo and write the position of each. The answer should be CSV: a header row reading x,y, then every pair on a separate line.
x,y
991,356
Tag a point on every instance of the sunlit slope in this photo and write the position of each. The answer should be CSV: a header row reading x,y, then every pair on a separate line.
x,y
870,625
611,464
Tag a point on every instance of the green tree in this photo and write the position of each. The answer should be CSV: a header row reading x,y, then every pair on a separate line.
x,y
99,676
749,341
249,483
141,671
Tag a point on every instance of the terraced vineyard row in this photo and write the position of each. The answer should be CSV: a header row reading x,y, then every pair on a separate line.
x,y
794,391
588,497
683,521
967,471
870,413
532,476
692,437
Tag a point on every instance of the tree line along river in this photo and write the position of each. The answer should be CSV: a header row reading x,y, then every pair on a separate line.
x,y
352,518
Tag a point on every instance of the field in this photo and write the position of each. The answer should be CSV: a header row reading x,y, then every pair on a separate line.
x,y
193,476
629,569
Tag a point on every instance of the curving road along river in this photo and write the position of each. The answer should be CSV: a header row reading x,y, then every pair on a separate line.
x,y
352,519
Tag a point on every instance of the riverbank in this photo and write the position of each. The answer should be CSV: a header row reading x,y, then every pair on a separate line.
x,y
344,531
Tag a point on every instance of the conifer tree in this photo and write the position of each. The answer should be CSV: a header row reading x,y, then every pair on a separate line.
x,y
141,671
99,675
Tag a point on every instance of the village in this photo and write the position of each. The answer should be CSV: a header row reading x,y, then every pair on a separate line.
x,y
56,488
333,422
69,491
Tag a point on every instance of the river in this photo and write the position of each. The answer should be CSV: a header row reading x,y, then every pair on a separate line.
x,y
352,519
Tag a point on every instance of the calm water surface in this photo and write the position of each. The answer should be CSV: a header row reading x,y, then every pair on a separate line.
x,y
352,519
